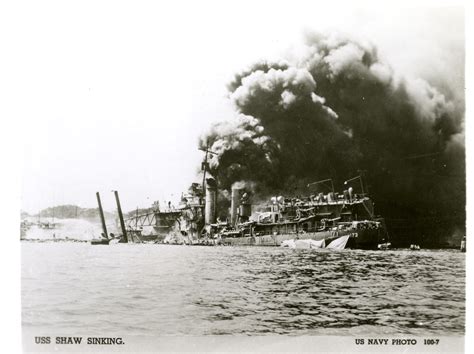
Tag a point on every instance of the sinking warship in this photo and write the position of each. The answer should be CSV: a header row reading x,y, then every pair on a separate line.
x,y
346,219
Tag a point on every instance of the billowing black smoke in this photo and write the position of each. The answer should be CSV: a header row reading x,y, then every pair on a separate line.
x,y
340,111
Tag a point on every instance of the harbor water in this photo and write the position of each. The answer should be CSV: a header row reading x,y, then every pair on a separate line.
x,y
156,290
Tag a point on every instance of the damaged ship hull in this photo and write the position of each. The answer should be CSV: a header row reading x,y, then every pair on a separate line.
x,y
320,218
367,239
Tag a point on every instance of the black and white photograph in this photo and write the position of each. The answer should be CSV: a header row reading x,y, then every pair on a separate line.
x,y
239,176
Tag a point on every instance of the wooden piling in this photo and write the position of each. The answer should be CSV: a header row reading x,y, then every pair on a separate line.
x,y
122,223
102,219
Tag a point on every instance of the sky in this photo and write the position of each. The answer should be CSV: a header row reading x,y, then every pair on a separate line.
x,y
114,95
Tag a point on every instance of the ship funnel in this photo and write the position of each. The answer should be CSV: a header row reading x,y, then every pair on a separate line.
x,y
234,205
245,209
211,198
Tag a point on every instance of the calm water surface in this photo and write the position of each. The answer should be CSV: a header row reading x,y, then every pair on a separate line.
x,y
177,290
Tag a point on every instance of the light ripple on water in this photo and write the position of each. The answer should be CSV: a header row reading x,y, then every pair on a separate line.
x,y
174,290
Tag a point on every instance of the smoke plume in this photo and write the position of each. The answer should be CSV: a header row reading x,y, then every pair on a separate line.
x,y
338,111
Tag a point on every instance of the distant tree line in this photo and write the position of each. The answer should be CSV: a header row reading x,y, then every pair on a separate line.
x,y
71,212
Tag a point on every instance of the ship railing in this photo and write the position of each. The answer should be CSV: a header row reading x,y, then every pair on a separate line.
x,y
321,203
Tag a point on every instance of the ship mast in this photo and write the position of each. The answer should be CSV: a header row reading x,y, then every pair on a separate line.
x,y
204,167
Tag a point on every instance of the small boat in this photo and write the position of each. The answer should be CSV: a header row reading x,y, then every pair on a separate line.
x,y
414,247
463,244
384,246
102,241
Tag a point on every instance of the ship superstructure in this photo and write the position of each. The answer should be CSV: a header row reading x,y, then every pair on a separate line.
x,y
318,217
174,224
